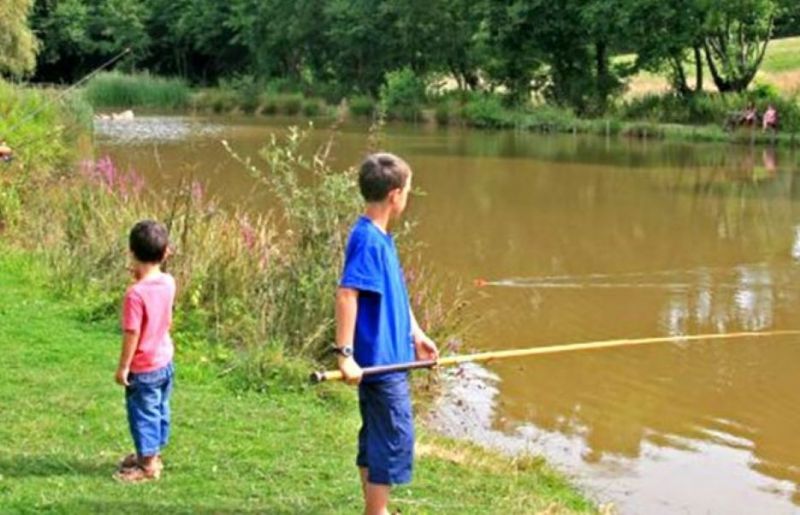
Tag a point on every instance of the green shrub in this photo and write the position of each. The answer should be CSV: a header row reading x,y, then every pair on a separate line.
x,y
362,106
486,111
247,90
41,133
289,104
711,108
312,106
402,95
216,99
331,92
547,118
268,104
38,129
115,90
644,130
446,111
282,85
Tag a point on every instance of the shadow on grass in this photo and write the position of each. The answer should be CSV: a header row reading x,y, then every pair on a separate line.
x,y
25,465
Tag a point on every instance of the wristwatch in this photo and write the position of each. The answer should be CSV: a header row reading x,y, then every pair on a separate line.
x,y
345,351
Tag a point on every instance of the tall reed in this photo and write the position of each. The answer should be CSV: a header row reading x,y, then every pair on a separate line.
x,y
118,90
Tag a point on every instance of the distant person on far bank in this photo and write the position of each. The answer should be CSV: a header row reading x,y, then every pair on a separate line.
x,y
750,115
145,363
375,326
770,119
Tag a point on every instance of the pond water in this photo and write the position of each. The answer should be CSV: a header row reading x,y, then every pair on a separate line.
x,y
585,239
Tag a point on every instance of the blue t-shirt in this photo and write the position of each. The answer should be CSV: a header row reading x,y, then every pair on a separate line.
x,y
383,321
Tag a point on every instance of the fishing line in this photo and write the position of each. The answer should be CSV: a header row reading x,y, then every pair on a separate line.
x,y
592,280
650,286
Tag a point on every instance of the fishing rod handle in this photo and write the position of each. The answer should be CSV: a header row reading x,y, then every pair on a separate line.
x,y
320,376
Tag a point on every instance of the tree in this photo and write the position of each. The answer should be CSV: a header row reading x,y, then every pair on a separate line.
x,y
737,33
787,21
78,35
458,43
282,36
512,53
212,44
561,48
665,35
18,45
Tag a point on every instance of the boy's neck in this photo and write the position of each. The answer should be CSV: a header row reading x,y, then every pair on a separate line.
x,y
146,270
380,214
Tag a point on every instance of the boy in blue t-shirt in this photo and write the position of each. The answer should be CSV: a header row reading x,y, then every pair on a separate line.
x,y
375,326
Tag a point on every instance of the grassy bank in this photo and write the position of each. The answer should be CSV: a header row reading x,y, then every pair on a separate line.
x,y
114,90
780,68
233,451
703,118
253,315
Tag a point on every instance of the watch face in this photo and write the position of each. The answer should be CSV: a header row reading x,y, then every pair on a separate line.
x,y
343,351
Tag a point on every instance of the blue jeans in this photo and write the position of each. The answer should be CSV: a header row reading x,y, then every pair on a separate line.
x,y
386,438
147,402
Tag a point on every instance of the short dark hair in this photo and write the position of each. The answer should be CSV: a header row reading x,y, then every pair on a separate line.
x,y
381,173
149,241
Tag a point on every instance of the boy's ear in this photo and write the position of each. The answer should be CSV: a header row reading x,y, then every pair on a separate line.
x,y
393,194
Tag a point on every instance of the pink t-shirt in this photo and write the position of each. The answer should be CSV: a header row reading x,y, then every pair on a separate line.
x,y
147,308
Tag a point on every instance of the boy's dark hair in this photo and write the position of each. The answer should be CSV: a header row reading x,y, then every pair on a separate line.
x,y
381,173
149,241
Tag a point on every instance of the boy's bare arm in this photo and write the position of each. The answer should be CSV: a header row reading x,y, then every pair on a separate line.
x,y
129,341
346,310
424,347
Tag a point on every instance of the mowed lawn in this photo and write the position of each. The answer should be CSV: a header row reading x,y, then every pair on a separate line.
x,y
781,68
63,428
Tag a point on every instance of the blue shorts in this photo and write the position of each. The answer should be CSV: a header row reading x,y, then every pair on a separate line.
x,y
147,402
386,438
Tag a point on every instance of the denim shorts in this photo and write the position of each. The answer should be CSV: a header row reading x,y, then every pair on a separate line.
x,y
147,402
386,438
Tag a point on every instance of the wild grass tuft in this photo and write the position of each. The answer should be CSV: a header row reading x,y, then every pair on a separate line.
x,y
115,90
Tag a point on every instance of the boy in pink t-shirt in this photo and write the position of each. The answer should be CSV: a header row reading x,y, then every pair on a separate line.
x,y
145,363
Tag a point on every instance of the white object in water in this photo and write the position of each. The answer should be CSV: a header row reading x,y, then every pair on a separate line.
x,y
123,116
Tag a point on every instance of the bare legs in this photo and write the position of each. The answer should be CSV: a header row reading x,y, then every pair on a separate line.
x,y
376,497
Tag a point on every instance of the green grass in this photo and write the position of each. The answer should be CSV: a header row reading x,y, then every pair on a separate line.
x,y
62,428
782,55
114,89
781,68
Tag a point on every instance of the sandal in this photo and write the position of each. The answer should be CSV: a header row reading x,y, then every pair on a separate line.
x,y
132,460
129,461
137,474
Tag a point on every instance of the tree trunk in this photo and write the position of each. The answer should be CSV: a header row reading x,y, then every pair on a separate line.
x,y
679,82
698,69
603,86
722,85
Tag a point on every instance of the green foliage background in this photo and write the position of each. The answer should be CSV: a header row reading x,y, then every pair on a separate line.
x,y
333,49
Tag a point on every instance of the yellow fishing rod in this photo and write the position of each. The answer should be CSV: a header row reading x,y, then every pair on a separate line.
x,y
335,375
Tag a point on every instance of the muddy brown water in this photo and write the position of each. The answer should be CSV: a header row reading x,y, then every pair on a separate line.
x,y
583,239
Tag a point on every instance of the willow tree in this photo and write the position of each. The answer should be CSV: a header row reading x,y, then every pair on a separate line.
x,y
737,35
18,45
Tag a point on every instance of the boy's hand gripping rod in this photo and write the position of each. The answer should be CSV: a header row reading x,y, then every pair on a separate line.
x,y
336,375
